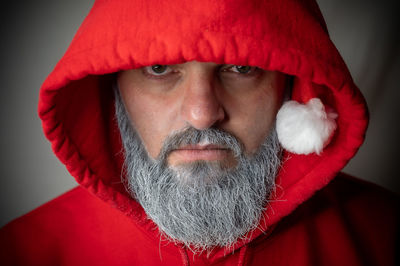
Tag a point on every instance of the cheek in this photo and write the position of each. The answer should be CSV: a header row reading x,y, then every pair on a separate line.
x,y
149,132
255,117
151,118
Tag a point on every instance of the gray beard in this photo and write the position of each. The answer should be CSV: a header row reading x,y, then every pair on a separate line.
x,y
200,204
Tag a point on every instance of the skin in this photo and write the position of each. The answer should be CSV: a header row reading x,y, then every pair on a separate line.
x,y
201,95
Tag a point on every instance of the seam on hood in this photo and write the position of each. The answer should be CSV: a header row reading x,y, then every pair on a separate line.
x,y
184,256
242,255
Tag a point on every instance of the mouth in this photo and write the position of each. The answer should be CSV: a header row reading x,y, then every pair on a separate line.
x,y
192,153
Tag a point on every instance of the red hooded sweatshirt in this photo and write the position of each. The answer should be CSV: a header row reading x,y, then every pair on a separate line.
x,y
317,215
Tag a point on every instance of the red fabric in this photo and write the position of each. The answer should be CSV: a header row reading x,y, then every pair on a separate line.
x,y
76,108
341,225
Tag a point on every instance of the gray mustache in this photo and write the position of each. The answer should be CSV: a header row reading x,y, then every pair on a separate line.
x,y
193,136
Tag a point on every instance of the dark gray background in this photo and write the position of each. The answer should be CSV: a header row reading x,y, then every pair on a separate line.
x,y
35,34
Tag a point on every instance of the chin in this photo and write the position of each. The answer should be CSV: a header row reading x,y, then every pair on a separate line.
x,y
200,172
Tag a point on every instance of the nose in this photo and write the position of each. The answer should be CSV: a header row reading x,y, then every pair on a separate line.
x,y
201,106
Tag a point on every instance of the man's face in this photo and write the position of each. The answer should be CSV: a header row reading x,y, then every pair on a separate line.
x,y
240,100
200,157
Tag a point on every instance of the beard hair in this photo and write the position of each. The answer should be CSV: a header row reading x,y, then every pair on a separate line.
x,y
200,204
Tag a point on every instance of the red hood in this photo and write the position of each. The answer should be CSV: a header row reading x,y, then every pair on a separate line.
x,y
76,100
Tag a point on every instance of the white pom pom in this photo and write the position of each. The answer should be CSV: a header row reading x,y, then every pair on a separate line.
x,y
305,128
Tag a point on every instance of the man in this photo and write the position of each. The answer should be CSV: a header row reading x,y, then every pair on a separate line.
x,y
204,133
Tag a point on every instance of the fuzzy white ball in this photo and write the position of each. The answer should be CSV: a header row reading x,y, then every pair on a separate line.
x,y
305,128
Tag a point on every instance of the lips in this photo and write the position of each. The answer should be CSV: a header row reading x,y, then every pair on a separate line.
x,y
208,152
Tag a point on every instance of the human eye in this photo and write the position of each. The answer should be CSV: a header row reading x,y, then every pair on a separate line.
x,y
239,69
157,70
